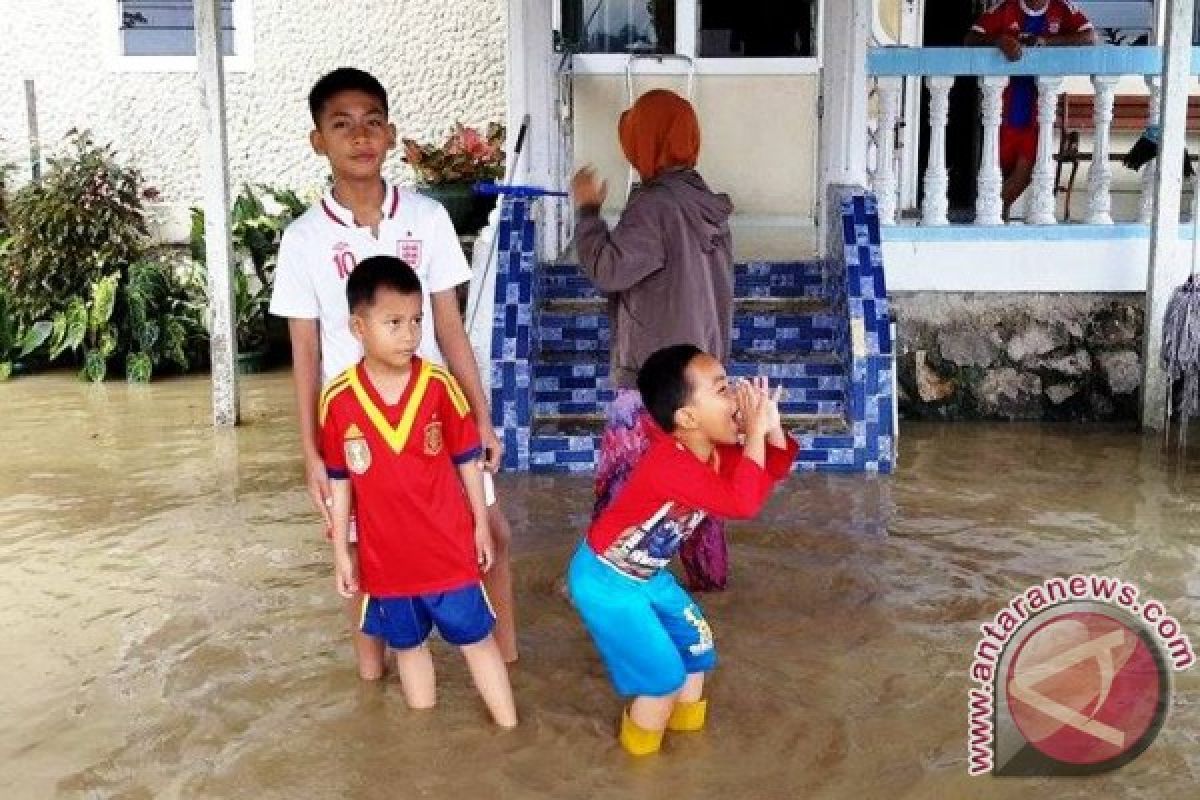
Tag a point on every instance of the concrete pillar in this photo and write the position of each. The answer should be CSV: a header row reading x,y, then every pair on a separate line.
x,y
537,87
1167,268
843,123
217,248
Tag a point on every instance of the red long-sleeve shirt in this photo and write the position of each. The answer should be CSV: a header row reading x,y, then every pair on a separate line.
x,y
671,491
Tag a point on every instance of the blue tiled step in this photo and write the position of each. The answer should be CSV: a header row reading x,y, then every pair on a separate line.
x,y
784,280
572,446
568,388
753,334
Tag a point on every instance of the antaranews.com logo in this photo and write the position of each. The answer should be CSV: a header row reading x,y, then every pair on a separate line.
x,y
1074,678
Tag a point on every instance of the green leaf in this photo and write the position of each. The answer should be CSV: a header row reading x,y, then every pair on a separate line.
x,y
77,319
95,366
108,344
104,299
148,336
5,370
138,368
57,334
35,337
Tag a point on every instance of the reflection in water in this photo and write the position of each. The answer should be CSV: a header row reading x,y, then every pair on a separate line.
x,y
172,629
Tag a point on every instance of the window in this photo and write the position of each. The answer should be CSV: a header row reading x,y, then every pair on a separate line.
x,y
723,36
167,27
620,26
757,29
160,35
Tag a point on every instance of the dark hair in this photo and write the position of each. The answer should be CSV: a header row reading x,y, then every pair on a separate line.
x,y
344,79
379,272
663,382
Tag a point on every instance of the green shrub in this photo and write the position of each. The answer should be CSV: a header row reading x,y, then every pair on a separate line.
x,y
259,215
17,340
83,222
151,318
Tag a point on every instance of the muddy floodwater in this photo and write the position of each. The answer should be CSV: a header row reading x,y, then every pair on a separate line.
x,y
170,628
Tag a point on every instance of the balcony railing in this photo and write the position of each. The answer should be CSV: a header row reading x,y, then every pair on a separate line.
x,y
1051,66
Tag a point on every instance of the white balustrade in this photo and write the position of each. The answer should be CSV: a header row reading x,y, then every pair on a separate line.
x,y
1149,172
1100,177
989,207
885,182
936,177
1042,207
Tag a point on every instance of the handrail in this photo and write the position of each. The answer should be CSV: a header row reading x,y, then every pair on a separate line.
x,y
1093,60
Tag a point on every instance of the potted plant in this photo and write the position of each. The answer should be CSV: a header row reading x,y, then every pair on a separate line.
x,y
447,172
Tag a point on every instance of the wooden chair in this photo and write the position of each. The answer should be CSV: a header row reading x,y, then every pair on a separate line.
x,y
1075,117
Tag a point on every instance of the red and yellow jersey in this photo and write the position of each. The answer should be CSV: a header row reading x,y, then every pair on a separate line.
x,y
415,527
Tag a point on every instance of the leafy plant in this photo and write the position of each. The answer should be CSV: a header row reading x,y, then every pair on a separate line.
x,y
18,341
101,337
163,313
465,157
82,222
250,313
259,216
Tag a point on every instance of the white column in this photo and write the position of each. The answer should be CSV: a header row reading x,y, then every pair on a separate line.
x,y
1168,268
533,89
1100,178
936,177
885,171
1042,210
843,104
989,207
1150,171
217,239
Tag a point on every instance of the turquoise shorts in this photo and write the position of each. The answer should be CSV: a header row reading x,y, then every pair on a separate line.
x,y
650,634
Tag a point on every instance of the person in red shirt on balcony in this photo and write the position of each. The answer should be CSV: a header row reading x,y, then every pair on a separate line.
x,y
1013,25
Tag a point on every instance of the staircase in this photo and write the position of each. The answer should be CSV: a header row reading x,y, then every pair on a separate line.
x,y
783,327
817,328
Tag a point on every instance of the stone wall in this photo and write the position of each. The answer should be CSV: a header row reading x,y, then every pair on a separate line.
x,y
1019,356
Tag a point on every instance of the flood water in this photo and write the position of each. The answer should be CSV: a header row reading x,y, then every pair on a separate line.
x,y
170,628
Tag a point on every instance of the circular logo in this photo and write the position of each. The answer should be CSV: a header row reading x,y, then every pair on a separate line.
x,y
1087,688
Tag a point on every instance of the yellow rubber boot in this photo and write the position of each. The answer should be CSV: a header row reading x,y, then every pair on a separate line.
x,y
638,741
688,716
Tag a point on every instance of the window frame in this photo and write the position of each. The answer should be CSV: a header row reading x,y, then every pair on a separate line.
x,y
242,59
687,19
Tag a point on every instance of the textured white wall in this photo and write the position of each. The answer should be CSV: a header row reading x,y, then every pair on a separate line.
x,y
441,61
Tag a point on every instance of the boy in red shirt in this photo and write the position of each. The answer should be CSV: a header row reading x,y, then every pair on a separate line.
x,y
1012,25
651,635
402,453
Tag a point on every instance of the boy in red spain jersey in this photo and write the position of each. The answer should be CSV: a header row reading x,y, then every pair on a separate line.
x,y
402,452
652,637
362,215
1012,25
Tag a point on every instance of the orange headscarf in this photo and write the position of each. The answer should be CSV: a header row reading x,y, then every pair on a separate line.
x,y
659,132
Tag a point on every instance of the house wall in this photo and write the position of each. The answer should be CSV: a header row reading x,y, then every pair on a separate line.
x,y
759,137
440,61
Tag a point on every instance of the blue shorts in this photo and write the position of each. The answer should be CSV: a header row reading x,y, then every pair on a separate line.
x,y
650,634
463,616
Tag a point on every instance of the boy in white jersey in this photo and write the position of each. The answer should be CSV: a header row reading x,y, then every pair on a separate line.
x,y
361,216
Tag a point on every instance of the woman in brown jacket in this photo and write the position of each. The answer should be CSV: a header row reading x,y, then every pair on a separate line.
x,y
667,270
